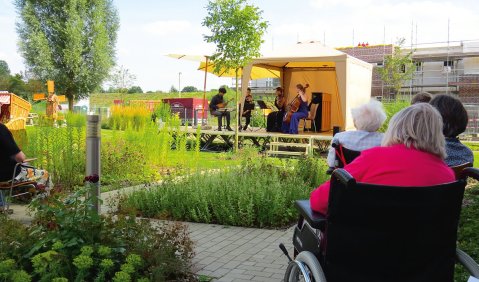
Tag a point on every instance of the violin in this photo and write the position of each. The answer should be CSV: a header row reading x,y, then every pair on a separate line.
x,y
293,106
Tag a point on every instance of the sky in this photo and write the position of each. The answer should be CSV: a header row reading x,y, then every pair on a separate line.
x,y
151,29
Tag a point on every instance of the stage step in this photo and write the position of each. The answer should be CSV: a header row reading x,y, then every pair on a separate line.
x,y
287,153
289,144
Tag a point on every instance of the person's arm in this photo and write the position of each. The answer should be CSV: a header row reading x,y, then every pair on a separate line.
x,y
213,104
20,157
331,154
319,197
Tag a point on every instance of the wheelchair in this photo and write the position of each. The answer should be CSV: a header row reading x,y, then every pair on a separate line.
x,y
344,156
15,189
380,233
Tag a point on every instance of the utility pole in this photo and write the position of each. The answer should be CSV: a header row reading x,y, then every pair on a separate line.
x,y
179,83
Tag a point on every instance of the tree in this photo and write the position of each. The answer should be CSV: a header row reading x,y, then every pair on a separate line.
x,y
121,79
237,29
189,89
173,89
398,67
71,42
4,69
135,89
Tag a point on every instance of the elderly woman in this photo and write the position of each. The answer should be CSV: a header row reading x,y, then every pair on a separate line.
x,y
454,118
412,154
367,119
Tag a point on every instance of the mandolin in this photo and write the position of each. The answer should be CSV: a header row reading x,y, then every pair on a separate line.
x,y
293,107
224,104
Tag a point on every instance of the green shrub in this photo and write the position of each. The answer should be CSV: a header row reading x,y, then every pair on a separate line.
x,y
391,108
68,240
259,193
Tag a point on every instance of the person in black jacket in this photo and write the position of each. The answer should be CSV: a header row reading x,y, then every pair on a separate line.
x,y
247,109
10,155
216,105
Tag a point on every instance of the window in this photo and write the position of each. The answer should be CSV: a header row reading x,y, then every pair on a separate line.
x,y
418,66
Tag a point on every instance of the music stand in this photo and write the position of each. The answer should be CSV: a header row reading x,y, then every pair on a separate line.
x,y
262,105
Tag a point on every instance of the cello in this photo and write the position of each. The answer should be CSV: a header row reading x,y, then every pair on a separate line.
x,y
293,106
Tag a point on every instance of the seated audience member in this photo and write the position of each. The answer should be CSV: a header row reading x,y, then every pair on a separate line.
x,y
454,118
412,154
10,155
367,118
422,97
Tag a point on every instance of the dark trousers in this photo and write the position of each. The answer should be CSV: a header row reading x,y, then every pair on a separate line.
x,y
247,117
220,115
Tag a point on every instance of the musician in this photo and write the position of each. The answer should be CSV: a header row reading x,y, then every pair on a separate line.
x,y
275,119
217,106
247,109
302,112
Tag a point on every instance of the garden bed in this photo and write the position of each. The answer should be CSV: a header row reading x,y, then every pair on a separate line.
x,y
258,193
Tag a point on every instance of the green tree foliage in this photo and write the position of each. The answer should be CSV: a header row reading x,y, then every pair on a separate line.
x,y
4,69
237,29
173,89
189,89
71,42
135,89
398,67
121,79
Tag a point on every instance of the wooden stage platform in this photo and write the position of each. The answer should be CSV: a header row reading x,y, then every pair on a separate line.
x,y
272,143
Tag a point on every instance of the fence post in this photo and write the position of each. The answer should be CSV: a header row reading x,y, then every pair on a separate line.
x,y
93,139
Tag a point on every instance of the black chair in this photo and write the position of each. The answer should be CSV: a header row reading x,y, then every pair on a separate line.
x,y
381,233
343,156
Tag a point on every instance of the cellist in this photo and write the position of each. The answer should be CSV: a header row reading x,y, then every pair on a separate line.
x,y
302,112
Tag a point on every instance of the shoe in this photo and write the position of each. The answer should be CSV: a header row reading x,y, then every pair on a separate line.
x,y
240,128
245,127
219,128
229,128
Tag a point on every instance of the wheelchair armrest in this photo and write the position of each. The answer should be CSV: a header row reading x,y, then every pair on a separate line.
x,y
471,172
315,219
344,177
468,263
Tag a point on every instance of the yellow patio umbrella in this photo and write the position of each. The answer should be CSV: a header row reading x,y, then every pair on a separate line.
x,y
256,72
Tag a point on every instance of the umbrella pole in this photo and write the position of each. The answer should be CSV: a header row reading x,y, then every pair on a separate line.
x,y
204,94
238,113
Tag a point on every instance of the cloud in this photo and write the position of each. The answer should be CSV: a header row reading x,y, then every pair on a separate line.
x,y
163,28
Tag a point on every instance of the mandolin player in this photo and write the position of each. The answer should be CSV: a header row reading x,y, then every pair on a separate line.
x,y
217,108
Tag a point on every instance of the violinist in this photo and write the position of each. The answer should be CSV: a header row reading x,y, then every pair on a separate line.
x,y
298,109
275,119
247,109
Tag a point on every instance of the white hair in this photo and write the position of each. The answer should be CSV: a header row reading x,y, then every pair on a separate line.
x,y
418,126
369,117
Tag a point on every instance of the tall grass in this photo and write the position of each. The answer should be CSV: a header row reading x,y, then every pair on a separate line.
x,y
126,117
260,193
61,151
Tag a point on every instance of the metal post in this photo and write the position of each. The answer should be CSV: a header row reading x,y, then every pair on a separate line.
x,y
93,139
179,83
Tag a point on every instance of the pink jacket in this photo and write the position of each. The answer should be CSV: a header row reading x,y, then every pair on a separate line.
x,y
395,166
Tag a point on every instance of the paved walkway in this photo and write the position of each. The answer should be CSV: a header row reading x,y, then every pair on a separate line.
x,y
225,253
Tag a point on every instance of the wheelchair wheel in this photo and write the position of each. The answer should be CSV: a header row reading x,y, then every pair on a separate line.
x,y
305,268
